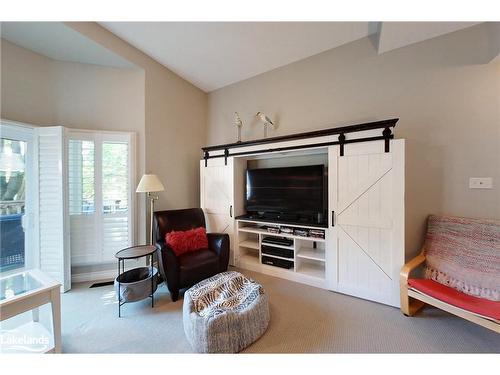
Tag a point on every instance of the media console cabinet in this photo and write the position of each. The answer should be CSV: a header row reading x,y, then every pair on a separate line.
x,y
308,253
363,249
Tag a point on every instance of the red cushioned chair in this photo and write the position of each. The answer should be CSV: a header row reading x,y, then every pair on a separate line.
x,y
461,259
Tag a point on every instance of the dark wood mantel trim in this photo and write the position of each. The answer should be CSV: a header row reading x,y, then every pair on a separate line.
x,y
383,124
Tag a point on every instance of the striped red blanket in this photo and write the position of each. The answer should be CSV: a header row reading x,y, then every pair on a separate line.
x,y
464,254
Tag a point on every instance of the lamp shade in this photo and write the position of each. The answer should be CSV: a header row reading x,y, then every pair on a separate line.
x,y
149,183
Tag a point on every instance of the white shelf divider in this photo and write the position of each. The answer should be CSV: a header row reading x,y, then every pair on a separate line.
x,y
312,269
249,259
256,230
250,244
313,254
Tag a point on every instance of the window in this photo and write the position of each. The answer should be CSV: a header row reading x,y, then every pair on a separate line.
x,y
114,177
17,250
81,177
99,194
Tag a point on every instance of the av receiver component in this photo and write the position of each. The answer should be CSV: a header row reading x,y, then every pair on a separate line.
x,y
277,262
277,251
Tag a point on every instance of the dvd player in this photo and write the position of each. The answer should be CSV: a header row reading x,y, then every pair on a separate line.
x,y
278,241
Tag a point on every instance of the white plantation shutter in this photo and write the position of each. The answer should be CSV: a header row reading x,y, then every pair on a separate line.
x,y
81,202
115,191
85,198
53,239
115,235
100,188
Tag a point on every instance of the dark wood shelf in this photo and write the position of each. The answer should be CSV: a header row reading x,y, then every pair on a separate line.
x,y
390,123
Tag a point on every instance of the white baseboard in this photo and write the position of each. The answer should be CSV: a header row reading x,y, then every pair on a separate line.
x,y
93,276
100,275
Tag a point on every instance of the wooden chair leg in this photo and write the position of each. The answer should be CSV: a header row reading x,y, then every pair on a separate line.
x,y
405,300
409,306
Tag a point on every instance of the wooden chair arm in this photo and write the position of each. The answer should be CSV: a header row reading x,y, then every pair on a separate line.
x,y
409,306
410,266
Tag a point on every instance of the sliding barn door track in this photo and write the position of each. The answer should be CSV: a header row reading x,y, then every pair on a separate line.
x,y
342,140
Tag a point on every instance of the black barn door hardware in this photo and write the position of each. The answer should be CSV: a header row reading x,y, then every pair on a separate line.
x,y
386,136
341,143
206,156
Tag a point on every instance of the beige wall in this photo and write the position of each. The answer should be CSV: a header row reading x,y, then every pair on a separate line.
x,y
175,121
41,91
447,100
172,124
26,85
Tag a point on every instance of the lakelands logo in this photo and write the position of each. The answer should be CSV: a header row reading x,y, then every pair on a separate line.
x,y
13,340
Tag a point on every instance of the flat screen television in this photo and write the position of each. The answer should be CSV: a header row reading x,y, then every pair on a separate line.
x,y
295,194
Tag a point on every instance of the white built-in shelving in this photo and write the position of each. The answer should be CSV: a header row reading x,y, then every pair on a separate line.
x,y
257,230
312,269
310,253
309,264
250,244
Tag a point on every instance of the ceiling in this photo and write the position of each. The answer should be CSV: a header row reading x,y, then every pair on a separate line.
x,y
212,55
59,42
215,54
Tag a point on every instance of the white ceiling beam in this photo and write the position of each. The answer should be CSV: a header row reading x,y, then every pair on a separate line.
x,y
375,28
494,41
395,35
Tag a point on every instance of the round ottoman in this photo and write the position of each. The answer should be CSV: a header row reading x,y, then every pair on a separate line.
x,y
225,313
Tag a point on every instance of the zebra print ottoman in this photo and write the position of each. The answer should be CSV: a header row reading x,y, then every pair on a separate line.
x,y
225,313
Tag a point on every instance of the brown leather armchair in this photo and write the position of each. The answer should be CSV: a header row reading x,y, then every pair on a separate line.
x,y
187,269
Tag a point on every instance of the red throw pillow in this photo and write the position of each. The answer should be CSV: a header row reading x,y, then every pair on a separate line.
x,y
186,241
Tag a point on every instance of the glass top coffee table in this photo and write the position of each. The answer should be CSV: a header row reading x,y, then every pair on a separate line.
x,y
25,291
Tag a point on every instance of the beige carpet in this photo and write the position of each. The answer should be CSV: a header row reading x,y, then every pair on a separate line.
x,y
303,320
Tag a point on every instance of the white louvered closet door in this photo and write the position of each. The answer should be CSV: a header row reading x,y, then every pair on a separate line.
x,y
100,196
53,227
367,196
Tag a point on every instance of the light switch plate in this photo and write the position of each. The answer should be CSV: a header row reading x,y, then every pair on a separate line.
x,y
480,183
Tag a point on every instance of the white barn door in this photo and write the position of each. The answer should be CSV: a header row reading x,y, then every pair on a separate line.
x,y
367,200
216,196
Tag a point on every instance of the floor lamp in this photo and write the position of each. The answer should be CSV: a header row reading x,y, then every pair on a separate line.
x,y
150,183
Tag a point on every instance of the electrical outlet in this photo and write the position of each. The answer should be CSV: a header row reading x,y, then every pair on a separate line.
x,y
480,183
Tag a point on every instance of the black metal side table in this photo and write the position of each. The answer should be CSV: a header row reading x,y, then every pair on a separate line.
x,y
135,252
